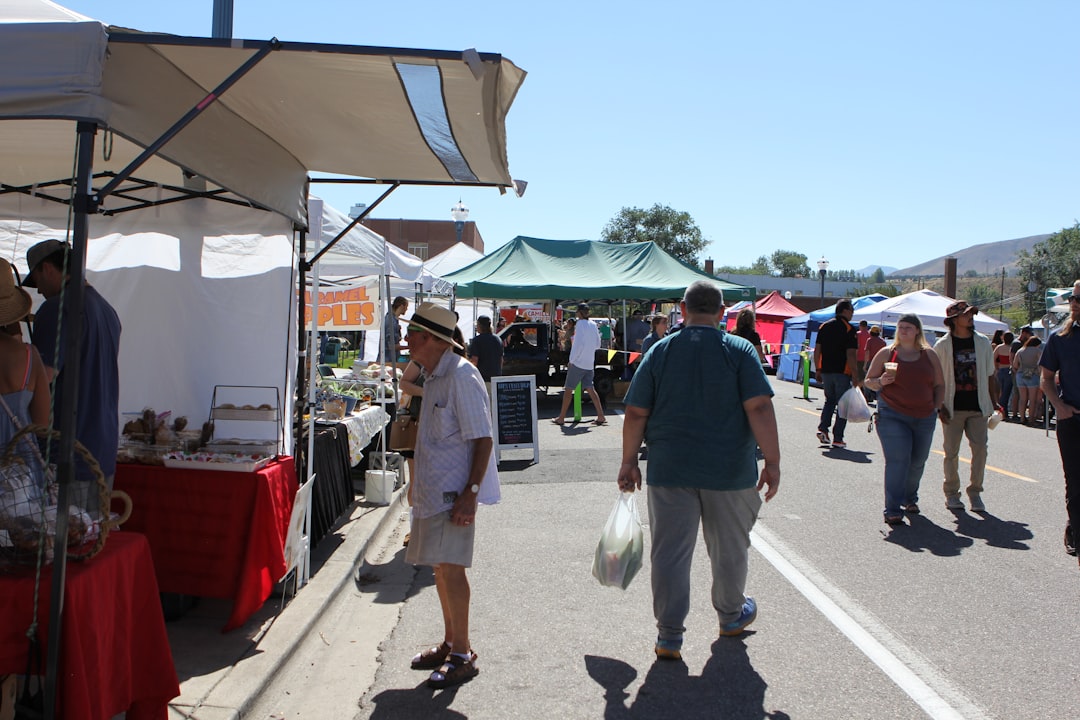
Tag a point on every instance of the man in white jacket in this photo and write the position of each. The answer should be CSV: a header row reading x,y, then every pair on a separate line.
x,y
970,397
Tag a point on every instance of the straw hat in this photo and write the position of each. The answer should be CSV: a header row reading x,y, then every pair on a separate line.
x,y
14,301
437,321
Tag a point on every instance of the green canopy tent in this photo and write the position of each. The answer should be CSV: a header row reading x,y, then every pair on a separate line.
x,y
537,269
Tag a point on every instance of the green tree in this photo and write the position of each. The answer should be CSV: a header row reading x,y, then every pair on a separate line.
x,y
1054,262
980,294
878,277
789,263
761,266
674,231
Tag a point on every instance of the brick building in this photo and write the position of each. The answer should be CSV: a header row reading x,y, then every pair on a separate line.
x,y
426,238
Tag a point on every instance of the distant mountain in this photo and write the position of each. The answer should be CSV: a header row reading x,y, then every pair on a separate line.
x,y
871,269
984,259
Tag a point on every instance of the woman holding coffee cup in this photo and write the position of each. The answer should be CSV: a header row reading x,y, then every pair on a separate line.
x,y
911,388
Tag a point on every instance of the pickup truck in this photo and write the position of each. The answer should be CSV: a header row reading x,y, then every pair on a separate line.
x,y
529,348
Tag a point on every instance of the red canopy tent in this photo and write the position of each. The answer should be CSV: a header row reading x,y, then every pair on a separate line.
x,y
772,310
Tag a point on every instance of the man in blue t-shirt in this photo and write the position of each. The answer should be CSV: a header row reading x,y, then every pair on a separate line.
x,y
1062,358
97,421
701,400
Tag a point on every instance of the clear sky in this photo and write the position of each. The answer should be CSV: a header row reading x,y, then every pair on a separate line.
x,y
870,133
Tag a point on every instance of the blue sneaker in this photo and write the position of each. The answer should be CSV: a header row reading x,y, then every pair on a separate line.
x,y
747,616
670,649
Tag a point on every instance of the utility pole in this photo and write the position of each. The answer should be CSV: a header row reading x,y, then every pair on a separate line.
x,y
223,17
1001,308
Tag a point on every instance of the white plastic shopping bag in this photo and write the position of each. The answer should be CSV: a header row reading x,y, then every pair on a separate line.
x,y
619,552
852,406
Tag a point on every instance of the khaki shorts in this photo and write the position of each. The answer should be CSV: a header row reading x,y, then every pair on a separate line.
x,y
435,540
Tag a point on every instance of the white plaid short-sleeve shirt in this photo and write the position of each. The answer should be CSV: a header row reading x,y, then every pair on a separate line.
x,y
455,412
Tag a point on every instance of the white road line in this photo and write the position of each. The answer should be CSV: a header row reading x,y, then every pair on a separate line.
x,y
914,675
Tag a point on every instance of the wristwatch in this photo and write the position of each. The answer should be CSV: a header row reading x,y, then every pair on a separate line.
x,y
474,489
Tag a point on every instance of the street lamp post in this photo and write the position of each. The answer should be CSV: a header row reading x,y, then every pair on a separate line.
x,y
460,214
822,266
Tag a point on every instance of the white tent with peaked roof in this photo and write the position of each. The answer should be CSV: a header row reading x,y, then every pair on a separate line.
x,y
453,258
928,305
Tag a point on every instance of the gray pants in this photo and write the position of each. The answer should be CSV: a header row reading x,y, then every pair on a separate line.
x,y
726,518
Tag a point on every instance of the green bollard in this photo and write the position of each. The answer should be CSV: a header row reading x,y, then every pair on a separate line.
x,y
806,375
577,403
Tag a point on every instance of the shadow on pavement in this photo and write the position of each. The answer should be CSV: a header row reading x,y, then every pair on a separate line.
x,y
854,456
728,687
923,535
996,532
420,702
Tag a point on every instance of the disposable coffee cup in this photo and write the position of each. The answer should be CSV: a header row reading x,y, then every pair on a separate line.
x,y
890,367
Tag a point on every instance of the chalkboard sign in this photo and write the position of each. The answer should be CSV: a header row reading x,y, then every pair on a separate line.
x,y
513,414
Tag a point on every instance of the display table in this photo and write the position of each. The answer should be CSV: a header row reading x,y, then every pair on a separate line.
x,y
114,653
361,427
213,533
338,447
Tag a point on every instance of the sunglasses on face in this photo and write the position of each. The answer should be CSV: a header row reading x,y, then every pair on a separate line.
x,y
1074,299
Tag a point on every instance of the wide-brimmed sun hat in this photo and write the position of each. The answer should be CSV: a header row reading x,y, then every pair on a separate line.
x,y
437,321
14,301
960,307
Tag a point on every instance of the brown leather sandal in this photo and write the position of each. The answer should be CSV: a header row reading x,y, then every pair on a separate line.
x,y
455,671
431,658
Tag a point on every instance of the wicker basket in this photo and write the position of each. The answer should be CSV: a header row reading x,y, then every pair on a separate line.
x,y
27,524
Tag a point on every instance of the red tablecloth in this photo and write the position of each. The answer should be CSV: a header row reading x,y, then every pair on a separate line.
x,y
213,533
114,653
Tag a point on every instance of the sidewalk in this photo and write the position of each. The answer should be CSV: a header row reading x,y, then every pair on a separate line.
x,y
222,674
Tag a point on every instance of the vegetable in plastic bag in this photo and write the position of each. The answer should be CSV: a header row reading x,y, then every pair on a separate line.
x,y
619,552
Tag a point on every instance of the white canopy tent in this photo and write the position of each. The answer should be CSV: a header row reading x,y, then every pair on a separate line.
x,y
203,290
103,121
928,305
453,258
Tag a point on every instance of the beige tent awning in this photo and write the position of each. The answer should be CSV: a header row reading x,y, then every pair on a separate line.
x,y
386,114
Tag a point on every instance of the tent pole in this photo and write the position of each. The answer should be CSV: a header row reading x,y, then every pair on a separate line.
x,y
302,342
65,457
393,365
355,221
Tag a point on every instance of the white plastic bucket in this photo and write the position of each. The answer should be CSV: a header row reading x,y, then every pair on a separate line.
x,y
379,486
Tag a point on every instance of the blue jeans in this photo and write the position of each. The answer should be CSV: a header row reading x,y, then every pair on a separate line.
x,y
1005,386
835,385
905,442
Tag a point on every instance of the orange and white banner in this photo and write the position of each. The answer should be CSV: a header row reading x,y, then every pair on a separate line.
x,y
348,306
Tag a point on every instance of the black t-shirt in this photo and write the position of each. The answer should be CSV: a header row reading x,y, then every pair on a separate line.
x,y
964,367
835,338
751,336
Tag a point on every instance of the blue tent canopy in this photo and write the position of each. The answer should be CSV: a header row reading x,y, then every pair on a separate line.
x,y
801,327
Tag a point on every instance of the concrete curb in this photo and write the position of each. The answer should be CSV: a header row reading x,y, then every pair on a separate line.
x,y
233,697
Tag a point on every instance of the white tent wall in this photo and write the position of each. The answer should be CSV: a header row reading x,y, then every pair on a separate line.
x,y
207,297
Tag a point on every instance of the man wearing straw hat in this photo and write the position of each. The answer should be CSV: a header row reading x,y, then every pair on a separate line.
x,y
97,422
455,471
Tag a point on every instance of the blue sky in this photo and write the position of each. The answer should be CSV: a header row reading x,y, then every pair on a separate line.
x,y
870,133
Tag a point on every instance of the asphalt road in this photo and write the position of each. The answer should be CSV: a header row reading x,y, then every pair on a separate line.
x,y
952,616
